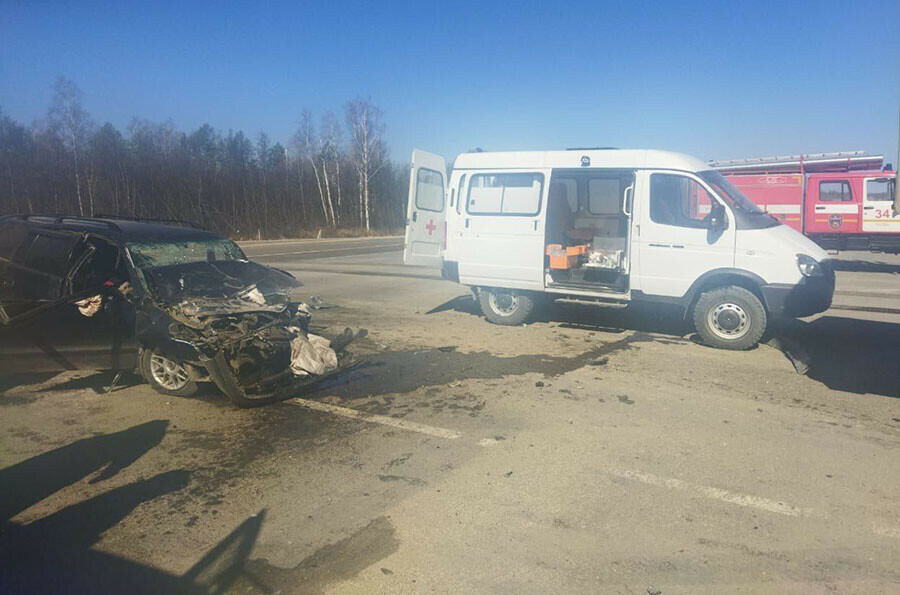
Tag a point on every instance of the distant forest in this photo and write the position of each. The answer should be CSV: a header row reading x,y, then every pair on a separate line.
x,y
335,175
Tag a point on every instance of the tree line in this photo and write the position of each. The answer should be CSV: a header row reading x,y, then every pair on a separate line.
x,y
335,173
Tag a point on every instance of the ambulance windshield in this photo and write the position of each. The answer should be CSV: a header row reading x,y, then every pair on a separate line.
x,y
729,193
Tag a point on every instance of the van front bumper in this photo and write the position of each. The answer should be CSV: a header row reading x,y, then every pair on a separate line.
x,y
810,296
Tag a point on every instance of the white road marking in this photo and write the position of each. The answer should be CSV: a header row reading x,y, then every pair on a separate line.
x,y
717,494
322,251
378,419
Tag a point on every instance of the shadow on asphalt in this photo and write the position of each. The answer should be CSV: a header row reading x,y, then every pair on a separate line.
x,y
54,554
848,354
656,318
865,266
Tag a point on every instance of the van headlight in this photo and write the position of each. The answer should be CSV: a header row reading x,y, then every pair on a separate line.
x,y
808,266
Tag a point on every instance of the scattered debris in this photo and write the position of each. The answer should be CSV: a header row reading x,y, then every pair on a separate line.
x,y
794,351
311,354
317,303
90,305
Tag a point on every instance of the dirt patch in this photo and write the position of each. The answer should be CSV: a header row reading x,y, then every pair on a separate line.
x,y
401,372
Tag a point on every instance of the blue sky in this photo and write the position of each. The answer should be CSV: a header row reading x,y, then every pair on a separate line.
x,y
717,79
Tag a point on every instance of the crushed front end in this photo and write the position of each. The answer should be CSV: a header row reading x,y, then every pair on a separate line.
x,y
251,338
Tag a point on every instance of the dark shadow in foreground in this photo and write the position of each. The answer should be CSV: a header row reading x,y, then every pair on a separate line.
x,y
55,554
847,354
29,482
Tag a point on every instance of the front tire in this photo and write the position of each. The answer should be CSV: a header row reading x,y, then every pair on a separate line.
x,y
730,318
505,306
166,376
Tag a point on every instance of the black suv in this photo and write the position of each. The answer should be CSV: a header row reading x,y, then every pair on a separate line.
x,y
172,301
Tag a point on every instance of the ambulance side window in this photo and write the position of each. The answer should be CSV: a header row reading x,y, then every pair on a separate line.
x,y
505,194
678,201
836,191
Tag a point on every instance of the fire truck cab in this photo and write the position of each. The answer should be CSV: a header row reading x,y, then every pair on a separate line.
x,y
842,201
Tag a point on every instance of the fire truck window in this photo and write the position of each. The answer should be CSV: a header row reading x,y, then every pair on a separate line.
x,y
879,190
679,201
837,191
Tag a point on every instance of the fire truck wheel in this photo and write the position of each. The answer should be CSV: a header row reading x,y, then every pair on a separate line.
x,y
505,306
730,318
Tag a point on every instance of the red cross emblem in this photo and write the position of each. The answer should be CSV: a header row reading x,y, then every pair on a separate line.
x,y
430,227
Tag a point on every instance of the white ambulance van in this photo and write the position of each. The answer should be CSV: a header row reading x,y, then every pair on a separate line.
x,y
610,227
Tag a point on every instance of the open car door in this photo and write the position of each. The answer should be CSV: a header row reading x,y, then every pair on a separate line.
x,y
425,214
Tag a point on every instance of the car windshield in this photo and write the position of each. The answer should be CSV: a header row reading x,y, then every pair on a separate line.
x,y
729,193
159,254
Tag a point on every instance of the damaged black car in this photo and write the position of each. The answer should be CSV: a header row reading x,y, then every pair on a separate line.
x,y
175,303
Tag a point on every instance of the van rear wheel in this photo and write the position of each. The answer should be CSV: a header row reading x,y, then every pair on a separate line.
x,y
505,306
730,318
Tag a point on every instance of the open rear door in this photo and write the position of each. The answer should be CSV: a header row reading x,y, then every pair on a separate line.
x,y
425,214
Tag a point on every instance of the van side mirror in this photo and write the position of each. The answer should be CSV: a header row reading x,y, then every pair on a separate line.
x,y
717,220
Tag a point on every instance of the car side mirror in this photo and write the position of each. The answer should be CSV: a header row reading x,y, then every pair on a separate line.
x,y
717,220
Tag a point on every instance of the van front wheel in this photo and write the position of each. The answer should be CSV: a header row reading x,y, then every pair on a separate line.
x,y
504,306
730,318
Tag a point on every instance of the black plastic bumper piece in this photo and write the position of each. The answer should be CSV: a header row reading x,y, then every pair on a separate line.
x,y
810,296
450,270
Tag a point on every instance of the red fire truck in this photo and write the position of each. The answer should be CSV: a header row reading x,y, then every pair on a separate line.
x,y
842,201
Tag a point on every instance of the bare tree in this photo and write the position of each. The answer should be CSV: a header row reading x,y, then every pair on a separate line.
x,y
332,137
308,146
368,150
73,123
222,180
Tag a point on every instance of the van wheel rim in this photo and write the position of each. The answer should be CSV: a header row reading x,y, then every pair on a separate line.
x,y
728,321
168,374
504,304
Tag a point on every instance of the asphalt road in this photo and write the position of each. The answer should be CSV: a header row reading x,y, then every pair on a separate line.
x,y
591,451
